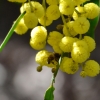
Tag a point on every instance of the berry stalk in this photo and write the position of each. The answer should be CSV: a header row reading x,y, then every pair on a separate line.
x,y
49,92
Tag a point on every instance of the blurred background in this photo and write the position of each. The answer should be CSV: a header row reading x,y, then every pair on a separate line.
x,y
19,79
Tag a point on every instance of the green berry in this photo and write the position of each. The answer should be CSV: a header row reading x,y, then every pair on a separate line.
x,y
30,20
92,68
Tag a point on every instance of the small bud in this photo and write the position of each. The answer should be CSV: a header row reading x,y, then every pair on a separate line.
x,y
59,27
53,70
83,74
39,68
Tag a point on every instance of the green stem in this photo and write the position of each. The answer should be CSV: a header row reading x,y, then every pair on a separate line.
x,y
31,7
49,92
77,12
44,5
56,72
64,22
11,31
80,36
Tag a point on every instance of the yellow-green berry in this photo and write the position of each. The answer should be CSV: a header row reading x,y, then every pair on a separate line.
x,y
53,12
66,44
69,30
30,20
33,7
39,33
42,58
81,25
38,9
90,42
79,12
52,2
54,38
92,68
38,37
25,7
69,66
21,28
66,7
92,10
80,43
79,54
37,44
45,20
57,49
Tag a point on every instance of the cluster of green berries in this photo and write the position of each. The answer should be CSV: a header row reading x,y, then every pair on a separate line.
x,y
73,41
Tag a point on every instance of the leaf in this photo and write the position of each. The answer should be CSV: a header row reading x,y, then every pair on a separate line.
x,y
93,24
49,93
11,31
